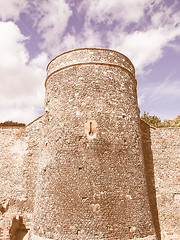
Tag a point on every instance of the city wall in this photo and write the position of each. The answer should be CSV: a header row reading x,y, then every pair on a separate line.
x,y
89,168
19,151
161,147
19,159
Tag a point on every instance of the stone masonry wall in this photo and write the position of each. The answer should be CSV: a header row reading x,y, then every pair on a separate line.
x,y
90,55
162,154
166,157
19,157
91,183
12,193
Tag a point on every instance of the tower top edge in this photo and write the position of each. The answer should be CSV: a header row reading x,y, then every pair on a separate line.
x,y
90,54
88,48
91,63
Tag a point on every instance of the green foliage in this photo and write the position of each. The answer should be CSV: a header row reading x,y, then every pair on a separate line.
x,y
153,121
166,123
176,122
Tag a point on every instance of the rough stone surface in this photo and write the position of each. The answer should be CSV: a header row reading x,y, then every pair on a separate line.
x,y
88,56
161,147
88,168
19,158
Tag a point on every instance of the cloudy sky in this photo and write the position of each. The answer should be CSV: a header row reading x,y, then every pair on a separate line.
x,y
32,32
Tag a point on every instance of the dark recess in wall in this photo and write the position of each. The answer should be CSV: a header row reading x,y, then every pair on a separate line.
x,y
149,173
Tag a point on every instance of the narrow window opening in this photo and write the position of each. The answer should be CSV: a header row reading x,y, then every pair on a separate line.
x,y
90,129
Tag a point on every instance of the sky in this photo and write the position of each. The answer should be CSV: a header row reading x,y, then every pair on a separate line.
x,y
32,32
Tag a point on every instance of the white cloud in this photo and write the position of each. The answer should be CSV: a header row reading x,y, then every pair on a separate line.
x,y
141,99
11,9
21,115
87,38
21,79
165,90
107,11
139,28
161,98
12,54
175,46
145,47
51,19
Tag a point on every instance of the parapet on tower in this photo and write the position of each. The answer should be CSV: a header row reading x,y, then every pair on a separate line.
x,y
91,182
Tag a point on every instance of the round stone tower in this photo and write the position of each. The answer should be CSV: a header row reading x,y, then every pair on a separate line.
x,y
91,182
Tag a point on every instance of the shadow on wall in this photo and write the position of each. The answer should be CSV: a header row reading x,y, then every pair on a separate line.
x,y
4,207
18,230
149,172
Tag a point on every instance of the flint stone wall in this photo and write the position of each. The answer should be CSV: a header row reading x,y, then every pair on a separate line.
x,y
90,55
161,147
19,159
104,178
162,152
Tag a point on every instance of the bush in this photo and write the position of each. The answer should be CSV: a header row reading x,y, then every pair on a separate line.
x,y
176,122
153,121
10,123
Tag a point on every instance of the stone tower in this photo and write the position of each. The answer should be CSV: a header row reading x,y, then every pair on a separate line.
x,y
91,181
